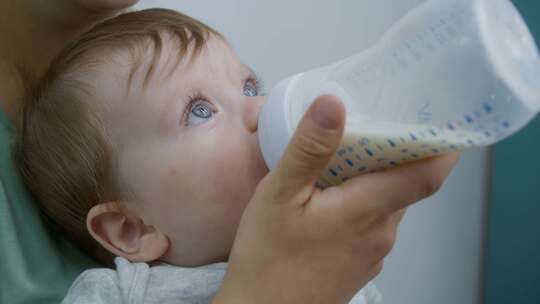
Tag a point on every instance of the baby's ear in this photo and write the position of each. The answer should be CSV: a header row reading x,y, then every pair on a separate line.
x,y
125,234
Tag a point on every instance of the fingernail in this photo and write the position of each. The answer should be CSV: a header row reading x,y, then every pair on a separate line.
x,y
324,114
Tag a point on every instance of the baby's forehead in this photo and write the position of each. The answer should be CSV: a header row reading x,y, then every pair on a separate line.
x,y
148,63
146,72
159,56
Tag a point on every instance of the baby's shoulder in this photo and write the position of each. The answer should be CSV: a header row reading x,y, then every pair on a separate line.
x,y
105,285
95,286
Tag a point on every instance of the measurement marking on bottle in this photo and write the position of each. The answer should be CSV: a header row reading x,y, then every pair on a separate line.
x,y
369,152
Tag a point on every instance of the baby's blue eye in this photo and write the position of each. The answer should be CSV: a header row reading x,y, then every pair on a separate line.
x,y
250,89
199,113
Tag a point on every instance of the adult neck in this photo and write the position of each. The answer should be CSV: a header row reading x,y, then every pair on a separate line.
x,y
31,34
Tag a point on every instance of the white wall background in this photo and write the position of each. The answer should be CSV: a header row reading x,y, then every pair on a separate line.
x,y
438,257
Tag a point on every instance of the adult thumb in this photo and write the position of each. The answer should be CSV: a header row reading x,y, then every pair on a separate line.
x,y
313,144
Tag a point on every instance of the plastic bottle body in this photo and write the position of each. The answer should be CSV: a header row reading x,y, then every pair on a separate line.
x,y
450,75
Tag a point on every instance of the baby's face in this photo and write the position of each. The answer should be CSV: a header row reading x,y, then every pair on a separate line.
x,y
188,147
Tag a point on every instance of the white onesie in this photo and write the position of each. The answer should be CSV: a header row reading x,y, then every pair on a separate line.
x,y
138,283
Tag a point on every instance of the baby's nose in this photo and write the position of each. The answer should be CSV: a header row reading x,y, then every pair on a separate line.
x,y
251,112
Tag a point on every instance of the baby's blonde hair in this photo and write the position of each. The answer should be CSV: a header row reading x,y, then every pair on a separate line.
x,y
64,152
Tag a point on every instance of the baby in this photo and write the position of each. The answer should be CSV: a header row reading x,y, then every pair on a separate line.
x,y
141,145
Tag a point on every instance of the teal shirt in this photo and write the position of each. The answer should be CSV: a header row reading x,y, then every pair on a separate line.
x,y
36,265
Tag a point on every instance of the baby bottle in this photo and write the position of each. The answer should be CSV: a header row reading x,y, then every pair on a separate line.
x,y
449,75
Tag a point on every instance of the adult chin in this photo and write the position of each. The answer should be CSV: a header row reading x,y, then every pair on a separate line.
x,y
105,5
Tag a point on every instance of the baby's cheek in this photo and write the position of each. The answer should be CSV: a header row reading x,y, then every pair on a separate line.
x,y
231,182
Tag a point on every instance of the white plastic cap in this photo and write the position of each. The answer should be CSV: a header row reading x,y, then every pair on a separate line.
x,y
274,126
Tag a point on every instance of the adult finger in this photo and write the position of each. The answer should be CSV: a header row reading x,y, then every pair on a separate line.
x,y
392,190
313,144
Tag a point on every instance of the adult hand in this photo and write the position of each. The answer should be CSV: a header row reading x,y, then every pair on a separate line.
x,y
300,244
